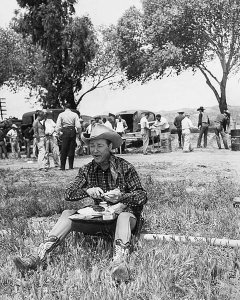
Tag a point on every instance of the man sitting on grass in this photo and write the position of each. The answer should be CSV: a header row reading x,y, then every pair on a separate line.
x,y
106,178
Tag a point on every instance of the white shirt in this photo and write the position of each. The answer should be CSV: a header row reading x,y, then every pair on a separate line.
x,y
68,118
108,124
12,133
163,123
49,127
187,123
121,125
144,124
89,129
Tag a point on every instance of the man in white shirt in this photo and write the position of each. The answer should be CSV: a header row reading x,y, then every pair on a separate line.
x,y
121,126
67,124
187,125
107,123
145,131
51,139
14,140
161,125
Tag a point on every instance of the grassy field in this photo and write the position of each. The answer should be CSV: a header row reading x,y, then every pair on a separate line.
x,y
196,205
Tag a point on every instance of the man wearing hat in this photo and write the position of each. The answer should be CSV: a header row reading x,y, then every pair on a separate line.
x,y
13,135
106,178
178,124
203,124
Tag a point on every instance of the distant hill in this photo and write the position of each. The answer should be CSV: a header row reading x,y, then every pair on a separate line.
x,y
212,112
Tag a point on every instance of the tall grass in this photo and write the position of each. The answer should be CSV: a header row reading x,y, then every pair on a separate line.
x,y
78,269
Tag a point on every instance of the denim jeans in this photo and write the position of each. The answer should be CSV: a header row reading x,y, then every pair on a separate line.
x,y
220,131
51,144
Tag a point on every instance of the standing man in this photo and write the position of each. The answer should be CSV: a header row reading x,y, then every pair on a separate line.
x,y
106,178
28,137
67,124
13,135
145,131
121,127
39,134
51,142
187,125
178,124
219,122
203,124
3,147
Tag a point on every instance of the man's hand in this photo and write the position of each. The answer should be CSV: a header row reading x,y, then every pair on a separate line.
x,y
95,192
113,196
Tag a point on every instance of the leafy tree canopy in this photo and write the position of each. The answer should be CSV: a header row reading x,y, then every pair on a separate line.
x,y
67,44
104,69
181,34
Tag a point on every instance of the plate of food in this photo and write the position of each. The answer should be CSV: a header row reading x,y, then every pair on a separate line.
x,y
88,213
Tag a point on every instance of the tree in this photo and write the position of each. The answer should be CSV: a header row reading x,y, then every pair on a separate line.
x,y
12,55
67,44
182,34
104,69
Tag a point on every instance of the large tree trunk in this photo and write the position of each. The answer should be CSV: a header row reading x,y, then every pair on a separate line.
x,y
220,96
67,94
222,99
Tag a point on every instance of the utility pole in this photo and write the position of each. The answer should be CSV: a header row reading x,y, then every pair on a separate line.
x,y
2,107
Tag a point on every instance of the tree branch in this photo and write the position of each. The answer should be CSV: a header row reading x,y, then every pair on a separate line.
x,y
210,84
209,72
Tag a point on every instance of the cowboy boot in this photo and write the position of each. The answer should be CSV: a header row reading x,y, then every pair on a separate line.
x,y
33,261
119,268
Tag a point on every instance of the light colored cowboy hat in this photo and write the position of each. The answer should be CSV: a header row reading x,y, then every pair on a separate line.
x,y
101,131
14,126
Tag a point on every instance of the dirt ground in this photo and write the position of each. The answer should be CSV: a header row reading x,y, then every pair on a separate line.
x,y
170,164
202,165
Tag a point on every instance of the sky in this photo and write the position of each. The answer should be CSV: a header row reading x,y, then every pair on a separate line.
x,y
170,93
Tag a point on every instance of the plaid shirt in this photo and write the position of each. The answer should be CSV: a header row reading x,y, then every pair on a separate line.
x,y
120,174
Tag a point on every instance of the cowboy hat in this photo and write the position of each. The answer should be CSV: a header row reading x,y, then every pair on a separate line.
x,y
180,112
101,131
14,126
201,108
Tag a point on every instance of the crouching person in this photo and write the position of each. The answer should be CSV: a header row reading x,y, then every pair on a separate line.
x,y
106,178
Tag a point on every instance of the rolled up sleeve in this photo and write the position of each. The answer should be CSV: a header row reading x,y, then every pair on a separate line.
x,y
77,189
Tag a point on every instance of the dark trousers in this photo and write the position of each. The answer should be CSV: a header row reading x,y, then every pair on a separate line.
x,y
3,149
123,144
68,146
203,131
27,143
220,131
180,138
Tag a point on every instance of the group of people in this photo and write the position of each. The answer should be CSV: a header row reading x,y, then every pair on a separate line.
x,y
118,124
12,135
184,126
44,134
221,124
